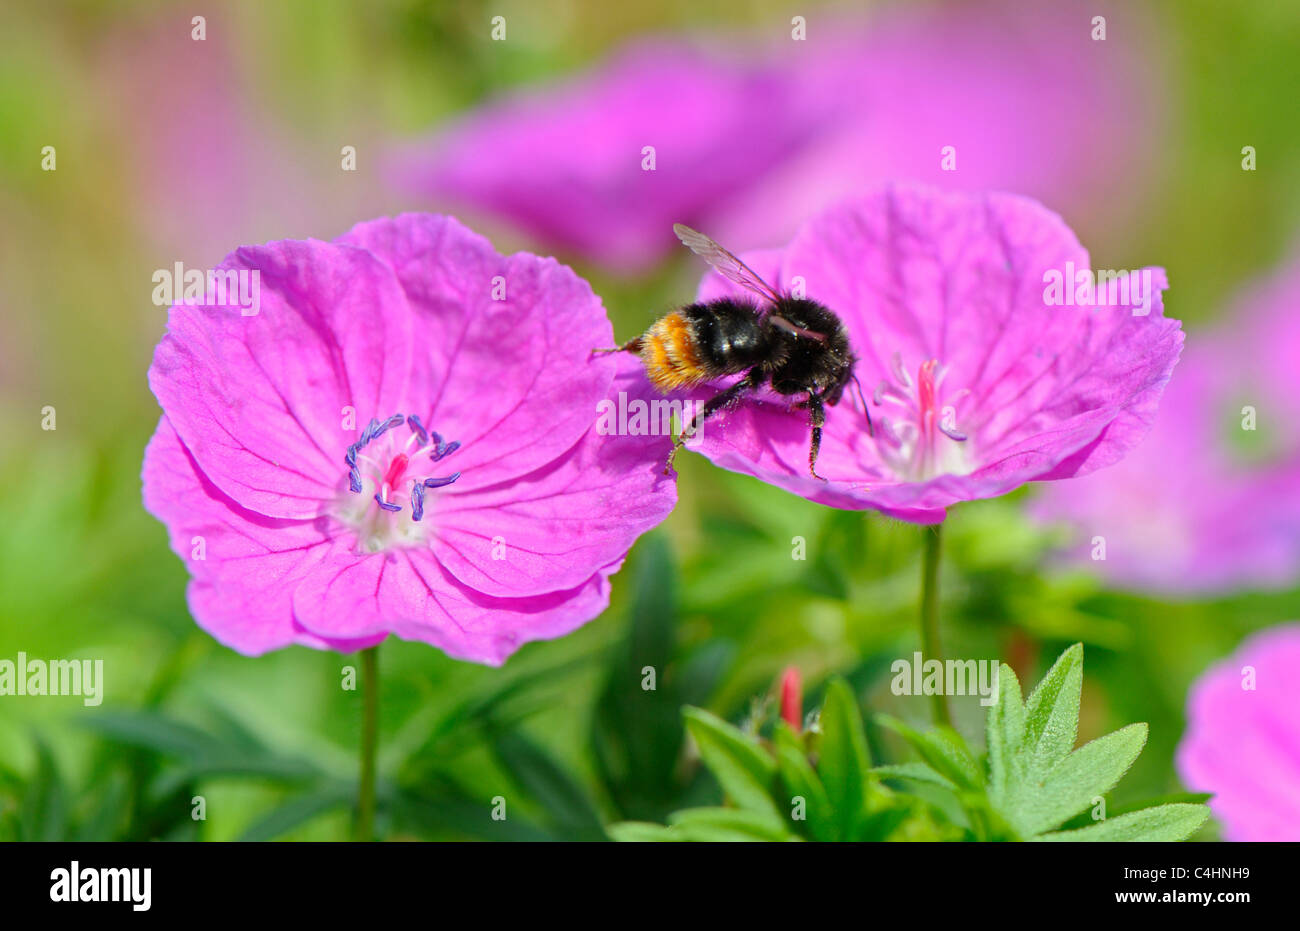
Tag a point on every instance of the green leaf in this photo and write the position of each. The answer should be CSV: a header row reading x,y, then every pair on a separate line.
x,y
641,832
550,786
741,767
728,824
1072,784
1052,713
943,749
1004,733
434,811
153,731
918,772
109,811
801,781
637,733
280,770
45,804
298,811
202,756
504,705
879,825
233,731
1039,783
1085,818
1174,822
698,677
843,762
953,758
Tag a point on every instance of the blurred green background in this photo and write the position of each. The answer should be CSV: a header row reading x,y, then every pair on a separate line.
x,y
712,598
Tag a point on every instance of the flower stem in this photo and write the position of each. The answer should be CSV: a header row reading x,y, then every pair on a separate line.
x,y
930,648
364,827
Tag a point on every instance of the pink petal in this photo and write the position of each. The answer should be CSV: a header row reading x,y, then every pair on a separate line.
x,y
243,584
261,401
407,592
513,380
584,509
1243,744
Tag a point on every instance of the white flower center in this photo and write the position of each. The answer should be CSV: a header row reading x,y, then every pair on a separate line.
x,y
388,486
922,440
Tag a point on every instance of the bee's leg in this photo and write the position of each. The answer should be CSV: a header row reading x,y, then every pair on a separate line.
x,y
632,345
712,406
818,413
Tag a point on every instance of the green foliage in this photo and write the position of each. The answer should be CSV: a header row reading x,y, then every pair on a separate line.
x,y
1034,781
1028,786
778,792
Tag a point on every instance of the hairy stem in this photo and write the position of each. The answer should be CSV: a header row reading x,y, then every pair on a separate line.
x,y
930,645
364,827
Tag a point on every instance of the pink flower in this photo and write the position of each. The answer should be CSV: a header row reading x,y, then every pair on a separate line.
x,y
1210,501
747,139
1243,738
980,385
400,441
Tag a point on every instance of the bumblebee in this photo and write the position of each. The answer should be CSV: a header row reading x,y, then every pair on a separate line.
x,y
797,346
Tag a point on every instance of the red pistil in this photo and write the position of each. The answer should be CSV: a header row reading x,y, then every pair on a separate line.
x,y
396,470
925,387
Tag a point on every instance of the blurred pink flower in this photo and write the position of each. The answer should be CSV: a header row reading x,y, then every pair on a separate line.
x,y
386,448
980,384
1189,512
566,163
208,158
751,138
1243,738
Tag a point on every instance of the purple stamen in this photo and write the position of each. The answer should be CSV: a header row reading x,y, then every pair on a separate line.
x,y
395,420
417,500
373,431
441,482
414,423
442,450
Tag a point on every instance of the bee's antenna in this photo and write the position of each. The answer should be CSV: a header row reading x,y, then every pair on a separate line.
x,y
871,429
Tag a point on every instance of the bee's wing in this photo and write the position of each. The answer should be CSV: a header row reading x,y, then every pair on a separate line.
x,y
789,327
726,264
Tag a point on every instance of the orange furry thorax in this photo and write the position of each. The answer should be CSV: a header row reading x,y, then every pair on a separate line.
x,y
670,355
